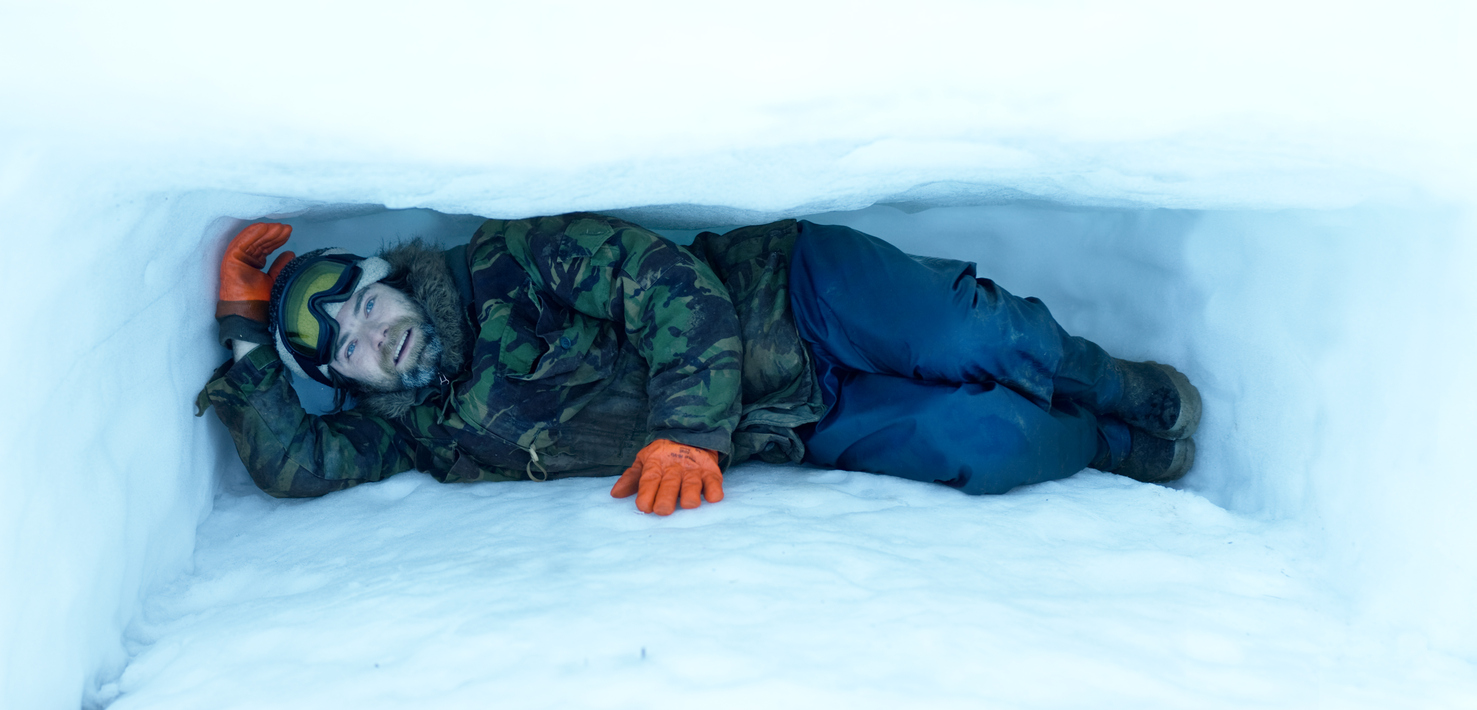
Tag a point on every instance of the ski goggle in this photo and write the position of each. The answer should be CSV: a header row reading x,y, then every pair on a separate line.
x,y
309,328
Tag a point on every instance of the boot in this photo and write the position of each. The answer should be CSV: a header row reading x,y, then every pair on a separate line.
x,y
1157,399
1155,460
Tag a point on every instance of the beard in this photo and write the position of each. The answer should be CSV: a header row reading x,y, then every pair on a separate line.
x,y
425,363
424,359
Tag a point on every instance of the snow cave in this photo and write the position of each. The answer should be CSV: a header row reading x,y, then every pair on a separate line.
x,y
1277,199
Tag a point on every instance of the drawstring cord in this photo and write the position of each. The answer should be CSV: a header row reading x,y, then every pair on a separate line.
x,y
533,461
445,385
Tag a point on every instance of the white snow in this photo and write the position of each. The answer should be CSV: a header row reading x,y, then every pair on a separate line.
x,y
1315,277
803,588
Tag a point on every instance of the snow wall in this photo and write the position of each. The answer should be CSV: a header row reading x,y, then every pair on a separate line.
x,y
1293,183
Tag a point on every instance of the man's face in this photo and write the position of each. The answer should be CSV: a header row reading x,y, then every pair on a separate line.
x,y
385,341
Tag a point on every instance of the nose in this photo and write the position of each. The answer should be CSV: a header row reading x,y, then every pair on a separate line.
x,y
379,332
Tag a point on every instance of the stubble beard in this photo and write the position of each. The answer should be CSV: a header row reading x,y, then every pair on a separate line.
x,y
425,363
425,360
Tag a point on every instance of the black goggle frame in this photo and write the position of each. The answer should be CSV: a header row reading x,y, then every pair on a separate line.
x,y
339,292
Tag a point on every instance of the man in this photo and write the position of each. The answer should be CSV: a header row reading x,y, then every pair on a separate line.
x,y
582,345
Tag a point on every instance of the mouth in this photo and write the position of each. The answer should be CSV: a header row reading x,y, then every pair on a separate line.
x,y
404,346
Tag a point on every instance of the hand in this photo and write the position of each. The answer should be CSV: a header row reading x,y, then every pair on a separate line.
x,y
245,290
666,468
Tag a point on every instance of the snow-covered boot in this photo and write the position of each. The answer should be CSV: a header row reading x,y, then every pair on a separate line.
x,y
1152,459
1157,399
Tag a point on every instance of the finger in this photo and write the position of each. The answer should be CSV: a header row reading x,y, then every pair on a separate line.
x,y
279,236
646,495
245,246
250,239
692,489
626,485
666,494
264,237
254,243
271,239
713,487
248,235
280,262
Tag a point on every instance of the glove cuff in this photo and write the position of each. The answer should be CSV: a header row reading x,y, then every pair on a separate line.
x,y
242,329
251,310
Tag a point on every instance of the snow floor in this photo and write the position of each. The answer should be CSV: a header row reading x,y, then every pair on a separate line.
x,y
803,586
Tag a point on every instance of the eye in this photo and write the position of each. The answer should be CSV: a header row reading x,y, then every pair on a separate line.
x,y
369,307
350,350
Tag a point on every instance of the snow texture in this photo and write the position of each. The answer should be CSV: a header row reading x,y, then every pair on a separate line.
x,y
1275,196
805,587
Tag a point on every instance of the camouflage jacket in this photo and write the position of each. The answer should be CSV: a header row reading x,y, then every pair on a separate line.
x,y
589,338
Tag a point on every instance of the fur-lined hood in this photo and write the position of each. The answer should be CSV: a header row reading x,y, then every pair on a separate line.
x,y
431,284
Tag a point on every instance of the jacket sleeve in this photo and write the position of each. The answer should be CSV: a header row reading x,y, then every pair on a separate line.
x,y
670,304
293,454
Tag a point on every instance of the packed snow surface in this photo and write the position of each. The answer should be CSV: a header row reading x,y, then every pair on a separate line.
x,y
804,588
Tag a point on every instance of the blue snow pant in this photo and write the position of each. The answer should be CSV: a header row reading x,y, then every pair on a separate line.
x,y
930,373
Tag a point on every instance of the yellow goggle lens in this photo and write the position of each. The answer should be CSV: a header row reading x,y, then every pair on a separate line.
x,y
300,325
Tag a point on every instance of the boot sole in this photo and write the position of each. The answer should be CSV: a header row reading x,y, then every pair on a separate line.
x,y
1184,459
1190,407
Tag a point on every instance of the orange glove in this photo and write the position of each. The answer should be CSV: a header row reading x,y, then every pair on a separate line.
x,y
245,290
665,468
